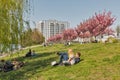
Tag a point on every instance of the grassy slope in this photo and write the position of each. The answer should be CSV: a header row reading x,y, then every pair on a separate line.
x,y
99,62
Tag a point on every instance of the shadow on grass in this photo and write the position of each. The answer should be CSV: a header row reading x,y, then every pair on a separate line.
x,y
35,66
81,60
38,55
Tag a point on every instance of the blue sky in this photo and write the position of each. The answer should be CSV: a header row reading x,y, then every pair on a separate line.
x,y
73,11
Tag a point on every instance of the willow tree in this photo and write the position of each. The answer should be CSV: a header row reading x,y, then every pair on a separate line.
x,y
12,22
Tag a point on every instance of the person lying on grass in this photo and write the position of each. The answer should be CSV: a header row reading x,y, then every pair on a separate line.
x,y
73,59
67,58
6,66
63,56
10,65
17,64
2,63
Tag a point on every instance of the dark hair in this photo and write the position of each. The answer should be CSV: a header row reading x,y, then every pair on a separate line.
x,y
78,53
29,50
57,53
2,60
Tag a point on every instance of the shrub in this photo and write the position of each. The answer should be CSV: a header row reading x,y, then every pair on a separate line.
x,y
112,40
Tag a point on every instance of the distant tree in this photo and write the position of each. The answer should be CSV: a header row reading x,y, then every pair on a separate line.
x,y
69,34
86,34
78,30
104,21
31,37
56,38
37,37
98,24
108,31
27,37
95,25
52,39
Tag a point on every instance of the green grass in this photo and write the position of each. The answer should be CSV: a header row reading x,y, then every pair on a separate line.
x,y
99,62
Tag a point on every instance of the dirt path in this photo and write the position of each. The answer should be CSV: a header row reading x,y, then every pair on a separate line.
x,y
5,54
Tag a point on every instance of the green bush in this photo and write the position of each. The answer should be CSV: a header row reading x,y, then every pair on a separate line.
x,y
112,40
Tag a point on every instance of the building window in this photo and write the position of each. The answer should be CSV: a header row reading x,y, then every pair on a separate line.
x,y
51,29
42,27
62,27
57,28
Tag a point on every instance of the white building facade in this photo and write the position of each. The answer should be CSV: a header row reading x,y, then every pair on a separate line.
x,y
52,27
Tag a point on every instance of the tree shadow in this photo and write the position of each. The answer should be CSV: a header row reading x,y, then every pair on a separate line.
x,y
30,68
38,55
44,54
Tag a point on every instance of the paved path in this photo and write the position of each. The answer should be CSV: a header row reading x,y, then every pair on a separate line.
x,y
4,55
30,47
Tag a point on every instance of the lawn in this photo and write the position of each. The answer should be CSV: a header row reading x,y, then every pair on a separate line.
x,y
99,62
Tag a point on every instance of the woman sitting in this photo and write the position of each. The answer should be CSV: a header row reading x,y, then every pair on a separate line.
x,y
29,53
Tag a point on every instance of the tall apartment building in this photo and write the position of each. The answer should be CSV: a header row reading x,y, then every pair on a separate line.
x,y
52,27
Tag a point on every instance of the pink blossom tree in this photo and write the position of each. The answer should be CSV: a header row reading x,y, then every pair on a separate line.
x,y
108,31
55,38
69,34
58,37
95,25
104,20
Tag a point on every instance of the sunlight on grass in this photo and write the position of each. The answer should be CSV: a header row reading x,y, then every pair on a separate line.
x,y
99,62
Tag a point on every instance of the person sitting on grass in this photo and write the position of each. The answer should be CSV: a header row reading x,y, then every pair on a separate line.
x,y
29,53
33,53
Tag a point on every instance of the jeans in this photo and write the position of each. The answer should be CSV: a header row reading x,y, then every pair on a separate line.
x,y
63,57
